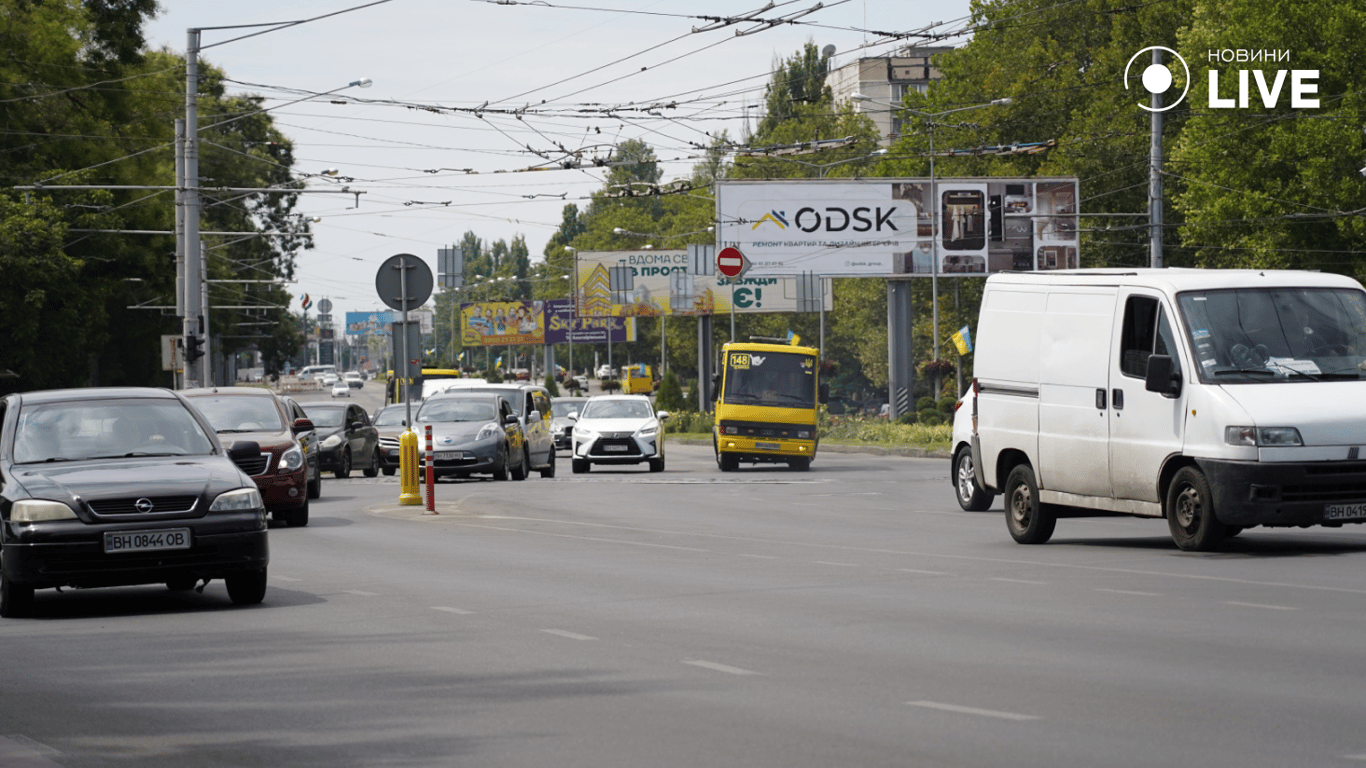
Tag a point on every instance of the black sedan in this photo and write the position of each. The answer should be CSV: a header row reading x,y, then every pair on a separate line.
x,y
347,438
114,487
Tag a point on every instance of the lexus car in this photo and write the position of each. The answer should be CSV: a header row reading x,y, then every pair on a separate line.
x,y
618,429
123,486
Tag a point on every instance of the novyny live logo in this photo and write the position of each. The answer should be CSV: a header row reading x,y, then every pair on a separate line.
x,y
1157,78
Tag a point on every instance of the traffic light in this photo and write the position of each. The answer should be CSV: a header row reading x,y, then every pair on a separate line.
x,y
194,348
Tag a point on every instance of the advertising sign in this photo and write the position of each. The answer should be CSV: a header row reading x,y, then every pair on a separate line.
x,y
377,323
500,323
888,226
661,283
561,326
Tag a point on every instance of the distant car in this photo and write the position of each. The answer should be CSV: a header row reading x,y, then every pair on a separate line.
x,y
285,473
389,422
604,371
341,389
328,379
122,486
560,426
348,438
618,429
354,379
475,434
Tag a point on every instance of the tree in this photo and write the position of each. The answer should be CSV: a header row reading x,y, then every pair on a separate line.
x,y
670,394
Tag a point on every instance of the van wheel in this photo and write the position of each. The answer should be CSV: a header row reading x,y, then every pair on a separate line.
x,y
729,462
1029,521
799,463
971,496
1190,512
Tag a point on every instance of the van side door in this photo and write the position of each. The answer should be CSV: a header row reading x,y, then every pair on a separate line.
x,y
1145,427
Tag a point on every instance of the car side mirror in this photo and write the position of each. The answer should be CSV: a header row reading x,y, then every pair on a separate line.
x,y
302,425
358,425
662,415
242,450
533,417
573,416
1161,377
511,418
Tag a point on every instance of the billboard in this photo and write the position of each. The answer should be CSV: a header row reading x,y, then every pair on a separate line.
x,y
661,283
378,323
501,323
561,326
878,227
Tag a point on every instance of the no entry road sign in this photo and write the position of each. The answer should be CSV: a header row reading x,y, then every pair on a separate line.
x,y
731,263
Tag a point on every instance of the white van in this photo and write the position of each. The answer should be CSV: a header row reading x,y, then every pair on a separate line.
x,y
1218,399
317,371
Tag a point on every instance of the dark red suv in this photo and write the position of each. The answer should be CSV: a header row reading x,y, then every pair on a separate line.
x,y
285,473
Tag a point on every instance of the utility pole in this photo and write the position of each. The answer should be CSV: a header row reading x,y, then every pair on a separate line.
x,y
1155,176
194,317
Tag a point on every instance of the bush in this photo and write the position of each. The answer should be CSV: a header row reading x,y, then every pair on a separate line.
x,y
493,377
907,418
572,384
925,404
688,422
946,405
669,396
550,385
610,385
932,418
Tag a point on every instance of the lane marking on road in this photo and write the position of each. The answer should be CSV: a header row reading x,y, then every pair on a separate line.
x,y
278,577
19,750
845,565
971,710
1354,757
570,635
720,667
1261,605
927,573
448,609
360,592
1129,592
1017,581
906,553
760,557
583,538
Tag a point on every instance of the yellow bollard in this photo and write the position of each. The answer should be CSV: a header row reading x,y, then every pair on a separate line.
x,y
407,469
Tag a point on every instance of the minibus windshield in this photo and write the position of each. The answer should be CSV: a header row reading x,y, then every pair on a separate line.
x,y
1259,335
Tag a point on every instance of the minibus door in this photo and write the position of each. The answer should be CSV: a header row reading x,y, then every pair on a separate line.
x,y
1145,427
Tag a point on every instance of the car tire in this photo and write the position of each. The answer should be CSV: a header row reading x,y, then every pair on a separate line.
x,y
657,465
246,587
971,496
297,518
579,466
799,463
182,583
1190,512
1028,520
500,467
373,469
549,470
729,462
389,471
344,470
523,467
315,487
16,600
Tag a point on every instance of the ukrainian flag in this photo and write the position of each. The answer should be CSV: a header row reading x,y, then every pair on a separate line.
x,y
793,338
498,363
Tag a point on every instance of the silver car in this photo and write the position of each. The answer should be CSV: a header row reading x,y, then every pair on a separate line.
x,y
561,427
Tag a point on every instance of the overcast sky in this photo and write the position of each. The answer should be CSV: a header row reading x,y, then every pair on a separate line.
x,y
565,62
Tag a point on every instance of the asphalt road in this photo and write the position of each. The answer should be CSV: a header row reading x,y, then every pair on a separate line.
x,y
847,616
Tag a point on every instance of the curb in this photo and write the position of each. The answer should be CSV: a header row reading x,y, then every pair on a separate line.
x,y
875,450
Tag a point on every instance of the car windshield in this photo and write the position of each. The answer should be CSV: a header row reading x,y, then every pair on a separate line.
x,y
562,408
324,416
230,414
107,429
777,379
457,410
1265,335
390,417
616,409
514,397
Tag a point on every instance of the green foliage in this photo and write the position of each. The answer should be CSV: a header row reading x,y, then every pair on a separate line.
x,y
872,431
610,385
492,376
946,404
930,418
669,397
688,422
926,404
907,418
551,386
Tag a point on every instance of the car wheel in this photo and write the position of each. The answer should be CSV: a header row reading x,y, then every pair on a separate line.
x,y
373,469
16,600
246,587
1029,521
971,496
549,471
523,467
388,471
297,518
500,467
344,471
729,462
181,583
799,463
1190,512
579,466
315,487
657,465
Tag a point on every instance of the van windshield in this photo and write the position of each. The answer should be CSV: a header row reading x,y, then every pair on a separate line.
x,y
776,379
1276,334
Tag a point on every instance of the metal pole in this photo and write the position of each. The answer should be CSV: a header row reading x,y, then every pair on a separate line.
x,y
193,256
821,288
732,308
934,250
663,361
1155,178
403,380
180,303
207,360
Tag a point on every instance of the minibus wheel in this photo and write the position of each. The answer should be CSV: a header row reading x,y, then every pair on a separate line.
x,y
1029,521
1190,512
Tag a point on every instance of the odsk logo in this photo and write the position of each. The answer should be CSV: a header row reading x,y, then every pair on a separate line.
x,y
774,216
1157,78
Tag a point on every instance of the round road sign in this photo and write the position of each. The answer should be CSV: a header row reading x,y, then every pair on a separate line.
x,y
731,262
394,272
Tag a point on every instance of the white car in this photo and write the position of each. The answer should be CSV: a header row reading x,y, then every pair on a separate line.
x,y
341,389
353,379
618,429
604,371
330,379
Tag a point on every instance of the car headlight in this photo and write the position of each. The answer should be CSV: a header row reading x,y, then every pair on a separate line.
x,y
40,510
803,434
291,459
488,430
647,430
232,501
333,441
584,434
1266,437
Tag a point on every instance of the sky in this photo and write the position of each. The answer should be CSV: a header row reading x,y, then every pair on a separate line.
x,y
585,73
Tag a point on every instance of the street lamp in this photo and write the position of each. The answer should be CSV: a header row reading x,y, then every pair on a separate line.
x,y
930,117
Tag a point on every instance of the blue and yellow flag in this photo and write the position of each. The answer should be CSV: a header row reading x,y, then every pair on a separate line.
x,y
498,363
963,340
793,338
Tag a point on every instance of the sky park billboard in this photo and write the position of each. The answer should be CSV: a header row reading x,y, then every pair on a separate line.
x,y
881,227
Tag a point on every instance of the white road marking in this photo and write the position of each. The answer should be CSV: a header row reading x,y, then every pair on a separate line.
x,y
1129,592
927,573
846,565
971,710
570,635
1261,605
278,577
720,667
1017,581
360,592
1354,757
448,609
761,557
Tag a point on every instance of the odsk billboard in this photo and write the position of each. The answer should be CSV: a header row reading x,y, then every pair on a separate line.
x,y
887,226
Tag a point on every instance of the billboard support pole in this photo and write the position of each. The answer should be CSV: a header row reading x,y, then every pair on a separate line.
x,y
900,360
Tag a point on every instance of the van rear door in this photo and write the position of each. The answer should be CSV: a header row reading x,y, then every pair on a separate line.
x,y
1074,352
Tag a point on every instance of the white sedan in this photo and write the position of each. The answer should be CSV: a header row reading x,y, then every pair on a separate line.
x,y
618,429
341,389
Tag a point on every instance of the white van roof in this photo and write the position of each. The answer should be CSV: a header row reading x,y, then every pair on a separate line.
x,y
1175,279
